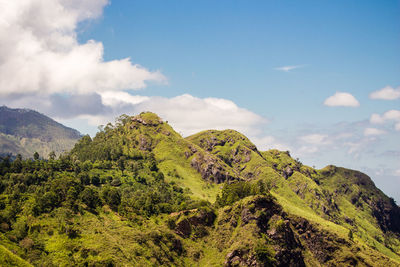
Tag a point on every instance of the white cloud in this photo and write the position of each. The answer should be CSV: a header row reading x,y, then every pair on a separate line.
x,y
315,139
186,113
269,142
40,53
289,68
376,119
373,131
113,99
397,172
341,99
304,150
311,144
355,147
392,115
386,93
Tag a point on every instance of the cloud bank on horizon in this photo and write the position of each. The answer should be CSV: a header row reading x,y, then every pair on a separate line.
x,y
44,67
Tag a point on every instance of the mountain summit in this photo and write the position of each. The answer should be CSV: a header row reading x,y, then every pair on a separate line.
x,y
139,194
25,131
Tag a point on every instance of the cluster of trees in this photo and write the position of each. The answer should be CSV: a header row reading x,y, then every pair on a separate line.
x,y
78,183
241,189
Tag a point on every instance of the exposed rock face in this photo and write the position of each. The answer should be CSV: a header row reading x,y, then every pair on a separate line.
x,y
287,172
321,244
210,169
145,143
263,211
385,210
148,122
290,237
196,222
183,228
387,214
239,155
240,257
209,143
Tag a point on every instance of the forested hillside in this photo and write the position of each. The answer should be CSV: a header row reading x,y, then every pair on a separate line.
x,y
138,194
24,131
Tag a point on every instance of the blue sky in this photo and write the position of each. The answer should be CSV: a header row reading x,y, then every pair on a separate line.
x,y
230,49
265,68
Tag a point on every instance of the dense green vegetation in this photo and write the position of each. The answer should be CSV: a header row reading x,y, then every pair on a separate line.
x,y
138,194
42,200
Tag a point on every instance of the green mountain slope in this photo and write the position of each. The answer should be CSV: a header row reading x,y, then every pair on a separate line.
x,y
347,198
138,194
24,132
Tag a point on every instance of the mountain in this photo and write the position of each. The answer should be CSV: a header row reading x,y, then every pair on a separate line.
x,y
138,194
24,131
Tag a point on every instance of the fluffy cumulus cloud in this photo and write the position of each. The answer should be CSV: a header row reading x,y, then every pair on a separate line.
x,y
40,53
186,113
44,67
341,99
386,93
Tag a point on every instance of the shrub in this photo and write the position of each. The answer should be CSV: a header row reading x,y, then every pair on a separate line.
x,y
111,196
236,191
90,197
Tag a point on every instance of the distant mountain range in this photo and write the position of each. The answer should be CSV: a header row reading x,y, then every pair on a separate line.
x,y
25,131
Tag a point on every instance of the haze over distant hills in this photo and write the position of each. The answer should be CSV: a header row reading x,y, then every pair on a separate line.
x,y
25,131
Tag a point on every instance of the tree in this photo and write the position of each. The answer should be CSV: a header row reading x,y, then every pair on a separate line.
x,y
36,155
151,162
111,196
52,155
84,178
46,203
95,180
90,197
16,166
121,163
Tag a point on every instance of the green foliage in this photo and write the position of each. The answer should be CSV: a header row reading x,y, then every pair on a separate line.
x,y
46,203
111,196
350,235
264,254
127,196
238,190
20,228
36,155
90,197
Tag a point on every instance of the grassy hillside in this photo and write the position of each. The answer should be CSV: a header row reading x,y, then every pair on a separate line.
x,y
338,199
138,194
25,132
